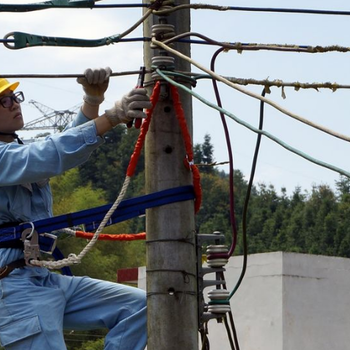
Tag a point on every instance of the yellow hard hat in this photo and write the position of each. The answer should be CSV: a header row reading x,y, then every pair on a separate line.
x,y
6,85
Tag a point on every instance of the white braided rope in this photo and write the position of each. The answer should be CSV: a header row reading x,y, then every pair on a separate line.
x,y
76,259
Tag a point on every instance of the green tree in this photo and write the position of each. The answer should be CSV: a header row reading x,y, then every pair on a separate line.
x,y
106,168
204,155
343,185
261,220
320,226
289,237
342,236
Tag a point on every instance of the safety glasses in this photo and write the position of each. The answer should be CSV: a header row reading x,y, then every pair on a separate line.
x,y
7,101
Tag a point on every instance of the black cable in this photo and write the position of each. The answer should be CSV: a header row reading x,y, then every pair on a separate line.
x,y
235,337
229,150
205,339
46,5
60,76
290,10
228,330
253,9
121,5
239,46
249,189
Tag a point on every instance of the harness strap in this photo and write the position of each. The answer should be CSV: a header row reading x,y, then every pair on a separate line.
x,y
14,243
91,218
10,233
6,270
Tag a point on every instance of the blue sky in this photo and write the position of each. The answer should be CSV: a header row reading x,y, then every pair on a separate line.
x,y
275,165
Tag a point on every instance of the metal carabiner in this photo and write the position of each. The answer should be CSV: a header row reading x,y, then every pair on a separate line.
x,y
30,239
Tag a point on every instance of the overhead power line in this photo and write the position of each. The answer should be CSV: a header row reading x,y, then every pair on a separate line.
x,y
257,131
250,93
253,9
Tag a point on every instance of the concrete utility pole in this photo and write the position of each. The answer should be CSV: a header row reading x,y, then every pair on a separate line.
x,y
171,250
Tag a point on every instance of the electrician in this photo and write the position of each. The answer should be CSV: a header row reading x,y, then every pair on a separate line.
x,y
35,303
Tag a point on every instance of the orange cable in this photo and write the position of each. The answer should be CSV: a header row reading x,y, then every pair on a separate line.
x,y
112,237
188,146
144,128
186,136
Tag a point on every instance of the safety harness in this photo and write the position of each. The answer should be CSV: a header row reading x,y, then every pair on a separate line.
x,y
24,235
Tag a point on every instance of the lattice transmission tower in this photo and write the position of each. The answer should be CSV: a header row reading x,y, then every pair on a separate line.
x,y
51,119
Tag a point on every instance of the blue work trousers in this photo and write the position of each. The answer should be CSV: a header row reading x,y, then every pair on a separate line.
x,y
36,305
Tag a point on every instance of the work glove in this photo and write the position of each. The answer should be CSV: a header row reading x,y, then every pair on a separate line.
x,y
129,107
95,83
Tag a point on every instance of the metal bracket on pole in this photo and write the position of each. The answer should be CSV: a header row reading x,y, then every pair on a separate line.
x,y
205,312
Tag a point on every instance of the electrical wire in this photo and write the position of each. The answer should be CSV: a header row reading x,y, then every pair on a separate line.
x,y
297,85
228,331
101,6
59,4
195,77
24,40
60,76
229,150
204,337
235,337
91,5
252,128
239,46
251,9
246,201
36,40
132,28
251,94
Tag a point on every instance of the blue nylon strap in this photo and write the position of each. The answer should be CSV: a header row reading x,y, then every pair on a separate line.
x,y
91,218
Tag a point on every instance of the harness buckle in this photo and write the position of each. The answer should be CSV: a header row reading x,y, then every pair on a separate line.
x,y
50,241
30,239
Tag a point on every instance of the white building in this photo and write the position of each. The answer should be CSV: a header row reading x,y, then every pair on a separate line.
x,y
286,301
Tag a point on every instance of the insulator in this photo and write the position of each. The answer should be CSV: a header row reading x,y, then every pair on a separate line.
x,y
217,262
217,249
163,28
213,250
162,32
162,62
219,294
219,309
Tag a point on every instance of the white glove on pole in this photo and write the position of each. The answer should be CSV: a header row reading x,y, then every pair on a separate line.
x,y
95,83
129,107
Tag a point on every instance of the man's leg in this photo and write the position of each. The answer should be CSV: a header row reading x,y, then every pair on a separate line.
x,y
31,311
95,304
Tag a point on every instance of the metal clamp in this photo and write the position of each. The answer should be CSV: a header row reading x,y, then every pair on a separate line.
x,y
30,239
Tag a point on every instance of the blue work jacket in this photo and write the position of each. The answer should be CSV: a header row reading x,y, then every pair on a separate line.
x,y
25,193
